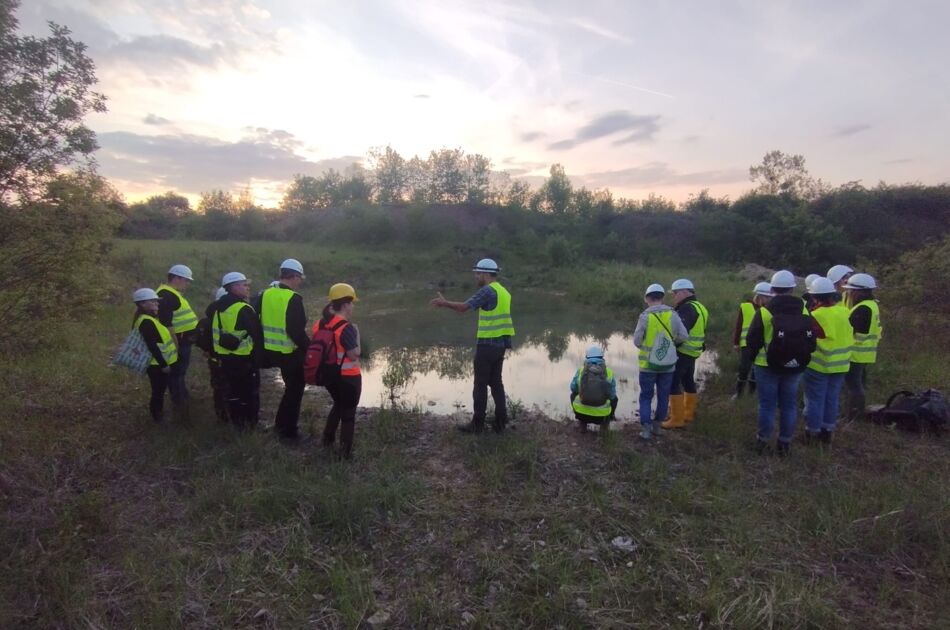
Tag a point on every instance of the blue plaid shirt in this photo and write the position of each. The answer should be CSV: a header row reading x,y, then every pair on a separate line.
x,y
486,299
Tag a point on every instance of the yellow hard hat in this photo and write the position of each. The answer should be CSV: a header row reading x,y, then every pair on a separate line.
x,y
342,290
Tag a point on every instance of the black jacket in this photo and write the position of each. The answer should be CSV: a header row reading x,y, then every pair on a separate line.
x,y
780,304
247,320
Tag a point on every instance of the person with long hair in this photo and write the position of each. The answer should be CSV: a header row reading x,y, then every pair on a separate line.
x,y
161,345
345,389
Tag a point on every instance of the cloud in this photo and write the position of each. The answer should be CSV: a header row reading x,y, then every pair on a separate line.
x,y
152,119
640,128
530,136
162,51
900,161
421,96
660,174
850,130
191,163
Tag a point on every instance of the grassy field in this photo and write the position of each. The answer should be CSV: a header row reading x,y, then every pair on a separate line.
x,y
111,521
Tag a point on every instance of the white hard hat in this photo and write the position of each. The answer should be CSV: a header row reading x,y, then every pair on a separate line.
x,y
821,286
809,279
836,273
486,265
763,288
594,352
783,279
140,295
655,288
232,276
293,264
682,284
861,281
181,271
220,293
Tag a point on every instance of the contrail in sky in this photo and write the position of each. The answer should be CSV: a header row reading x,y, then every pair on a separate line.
x,y
633,87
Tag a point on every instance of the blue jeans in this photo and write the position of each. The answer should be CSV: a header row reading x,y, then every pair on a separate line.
x,y
661,382
777,390
176,380
822,392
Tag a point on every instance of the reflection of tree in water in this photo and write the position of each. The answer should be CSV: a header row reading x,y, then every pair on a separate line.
x,y
555,344
403,364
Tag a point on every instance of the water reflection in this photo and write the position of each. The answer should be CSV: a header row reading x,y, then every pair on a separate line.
x,y
423,356
538,373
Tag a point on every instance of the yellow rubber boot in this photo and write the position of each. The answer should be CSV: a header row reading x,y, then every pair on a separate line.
x,y
677,413
690,408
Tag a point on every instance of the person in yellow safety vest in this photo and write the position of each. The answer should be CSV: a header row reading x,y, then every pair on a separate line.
x,y
495,330
347,389
284,323
829,363
219,384
807,295
866,319
761,294
160,344
176,314
659,330
594,398
683,394
238,341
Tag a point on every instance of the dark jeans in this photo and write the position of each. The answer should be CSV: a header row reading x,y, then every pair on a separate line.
x,y
660,383
345,393
176,380
745,374
683,375
243,390
777,390
159,383
489,361
855,380
219,388
288,412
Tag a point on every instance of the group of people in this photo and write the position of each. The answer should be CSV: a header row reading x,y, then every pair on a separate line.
x,y
240,335
829,335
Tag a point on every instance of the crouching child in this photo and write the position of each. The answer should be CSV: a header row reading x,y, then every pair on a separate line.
x,y
594,391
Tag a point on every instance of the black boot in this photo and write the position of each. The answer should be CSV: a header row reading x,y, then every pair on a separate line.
x,y
761,446
825,436
499,424
475,426
811,438
783,449
751,387
740,385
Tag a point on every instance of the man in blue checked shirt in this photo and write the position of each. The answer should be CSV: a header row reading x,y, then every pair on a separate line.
x,y
495,330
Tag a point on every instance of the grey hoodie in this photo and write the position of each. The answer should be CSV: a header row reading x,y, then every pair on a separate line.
x,y
680,334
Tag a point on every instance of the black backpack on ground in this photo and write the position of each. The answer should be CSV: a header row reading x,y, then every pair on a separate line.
x,y
594,386
926,411
793,341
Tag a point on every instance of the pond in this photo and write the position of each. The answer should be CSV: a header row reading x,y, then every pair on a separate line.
x,y
423,355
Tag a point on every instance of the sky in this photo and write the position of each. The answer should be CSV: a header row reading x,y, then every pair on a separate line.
x,y
639,97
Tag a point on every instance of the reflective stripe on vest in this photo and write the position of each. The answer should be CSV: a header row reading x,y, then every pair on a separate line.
x,y
496,322
649,336
166,345
693,346
747,309
599,412
833,352
348,367
274,301
865,345
227,320
184,318
767,332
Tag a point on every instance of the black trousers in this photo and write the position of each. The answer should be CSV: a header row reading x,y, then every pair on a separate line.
x,y
585,419
288,412
855,380
345,393
683,375
745,374
489,361
243,390
159,382
219,388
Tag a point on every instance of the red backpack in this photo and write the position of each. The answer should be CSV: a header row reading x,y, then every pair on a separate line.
x,y
320,367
